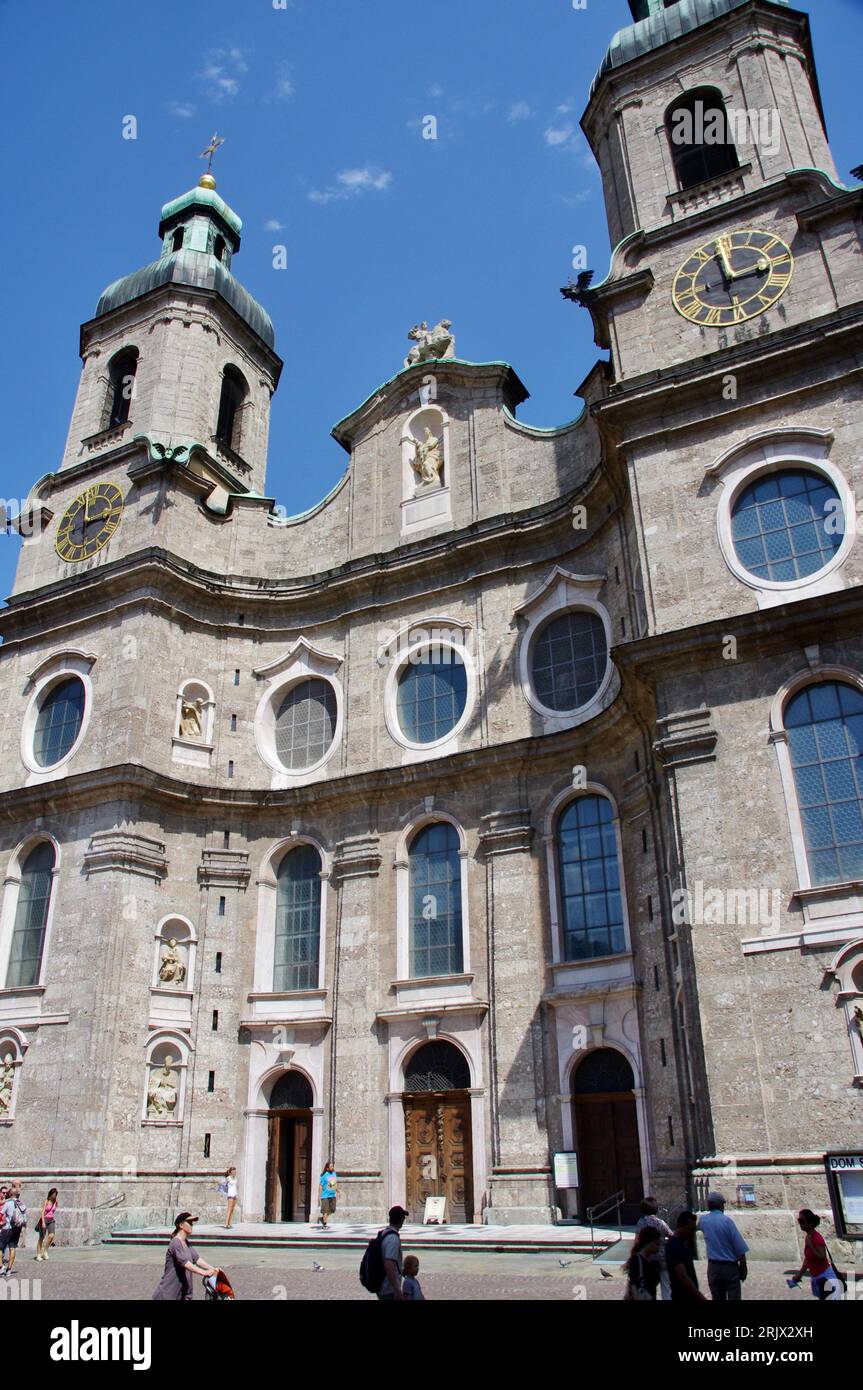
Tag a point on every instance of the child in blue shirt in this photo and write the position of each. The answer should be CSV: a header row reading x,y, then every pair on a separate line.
x,y
410,1283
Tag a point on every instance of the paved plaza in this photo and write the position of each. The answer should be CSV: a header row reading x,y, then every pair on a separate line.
x,y
132,1272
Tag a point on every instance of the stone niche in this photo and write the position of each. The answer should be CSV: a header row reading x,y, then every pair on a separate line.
x,y
192,742
173,973
425,452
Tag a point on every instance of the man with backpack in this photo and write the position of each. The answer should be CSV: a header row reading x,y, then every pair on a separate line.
x,y
14,1219
381,1268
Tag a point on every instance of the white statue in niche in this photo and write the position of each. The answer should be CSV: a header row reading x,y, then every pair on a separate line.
x,y
428,458
7,1077
191,725
432,344
163,1092
172,971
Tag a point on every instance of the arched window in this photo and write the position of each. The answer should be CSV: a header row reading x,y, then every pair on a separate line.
x,y
58,722
31,918
298,920
436,946
177,239
219,248
234,392
824,724
121,375
437,1066
589,876
603,1071
701,143
292,1091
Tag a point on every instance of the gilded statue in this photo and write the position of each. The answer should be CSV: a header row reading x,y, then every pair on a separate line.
x,y
172,971
428,459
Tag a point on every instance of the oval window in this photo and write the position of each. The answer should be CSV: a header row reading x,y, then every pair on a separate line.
x,y
787,525
58,723
305,724
570,658
432,695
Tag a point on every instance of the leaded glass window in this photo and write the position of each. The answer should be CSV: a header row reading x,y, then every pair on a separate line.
x,y
787,525
824,723
432,695
58,722
435,902
31,918
298,920
591,900
570,656
305,724
437,1066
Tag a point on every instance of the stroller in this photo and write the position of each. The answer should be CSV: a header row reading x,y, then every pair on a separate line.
x,y
217,1287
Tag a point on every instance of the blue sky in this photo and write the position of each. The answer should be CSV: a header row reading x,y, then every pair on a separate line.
x,y
322,107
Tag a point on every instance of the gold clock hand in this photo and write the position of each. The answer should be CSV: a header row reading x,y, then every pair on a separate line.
x,y
723,247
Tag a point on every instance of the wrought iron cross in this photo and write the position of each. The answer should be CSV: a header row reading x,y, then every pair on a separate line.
x,y
215,142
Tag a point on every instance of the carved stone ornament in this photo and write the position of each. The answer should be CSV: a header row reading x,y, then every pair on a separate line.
x,y
163,1092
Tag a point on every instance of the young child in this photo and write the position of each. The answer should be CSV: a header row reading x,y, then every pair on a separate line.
x,y
410,1283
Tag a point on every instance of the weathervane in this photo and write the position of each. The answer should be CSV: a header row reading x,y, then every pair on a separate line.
x,y
215,142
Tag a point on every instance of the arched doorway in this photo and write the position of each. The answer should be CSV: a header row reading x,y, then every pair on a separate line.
x,y
289,1149
606,1129
438,1153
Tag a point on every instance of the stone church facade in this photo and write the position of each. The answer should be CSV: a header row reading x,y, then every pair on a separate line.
x,y
507,803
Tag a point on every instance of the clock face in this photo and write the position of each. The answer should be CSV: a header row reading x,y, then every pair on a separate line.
x,y
89,522
732,278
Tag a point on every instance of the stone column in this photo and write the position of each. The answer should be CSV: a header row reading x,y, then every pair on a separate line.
x,y
519,1183
358,1113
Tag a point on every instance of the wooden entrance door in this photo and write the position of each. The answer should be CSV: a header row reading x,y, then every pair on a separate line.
x,y
609,1159
288,1161
438,1155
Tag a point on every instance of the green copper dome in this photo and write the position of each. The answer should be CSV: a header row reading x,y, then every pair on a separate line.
x,y
660,27
200,234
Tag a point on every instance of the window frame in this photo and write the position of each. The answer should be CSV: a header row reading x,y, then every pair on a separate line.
x,y
8,912
51,673
403,913
680,103
772,452
419,636
555,896
265,936
561,593
291,849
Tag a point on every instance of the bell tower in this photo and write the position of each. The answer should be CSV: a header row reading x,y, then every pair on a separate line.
x,y
180,352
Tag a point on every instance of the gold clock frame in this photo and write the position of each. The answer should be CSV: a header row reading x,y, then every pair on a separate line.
x,y
770,248
68,549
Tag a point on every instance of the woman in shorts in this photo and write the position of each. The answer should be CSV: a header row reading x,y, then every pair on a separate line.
x,y
329,1193
45,1225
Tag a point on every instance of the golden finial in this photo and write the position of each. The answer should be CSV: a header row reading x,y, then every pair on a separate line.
x,y
206,180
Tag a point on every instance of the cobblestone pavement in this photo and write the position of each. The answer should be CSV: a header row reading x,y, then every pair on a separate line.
x,y
129,1272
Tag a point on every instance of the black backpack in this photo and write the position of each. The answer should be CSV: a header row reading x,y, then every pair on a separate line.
x,y
372,1272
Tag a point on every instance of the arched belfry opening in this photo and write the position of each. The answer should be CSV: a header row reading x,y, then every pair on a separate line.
x,y
289,1149
644,9
438,1150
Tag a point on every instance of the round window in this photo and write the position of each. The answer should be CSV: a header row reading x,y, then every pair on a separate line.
x,y
788,525
305,724
432,695
58,722
570,658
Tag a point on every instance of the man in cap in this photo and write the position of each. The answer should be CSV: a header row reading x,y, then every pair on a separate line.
x,y
726,1251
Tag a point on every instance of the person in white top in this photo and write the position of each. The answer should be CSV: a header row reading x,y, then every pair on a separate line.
x,y
229,1187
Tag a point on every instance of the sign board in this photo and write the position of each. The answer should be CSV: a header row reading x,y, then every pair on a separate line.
x,y
566,1170
435,1211
845,1181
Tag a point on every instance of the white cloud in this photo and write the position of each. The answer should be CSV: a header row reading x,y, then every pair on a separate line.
x,y
284,87
436,90
519,111
558,135
272,224
184,109
351,183
565,108
222,70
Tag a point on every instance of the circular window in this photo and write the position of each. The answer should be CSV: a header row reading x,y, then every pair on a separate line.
x,y
58,722
788,525
570,659
432,695
305,724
